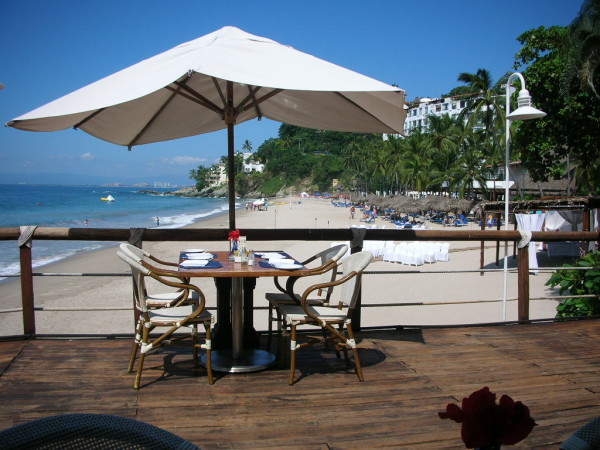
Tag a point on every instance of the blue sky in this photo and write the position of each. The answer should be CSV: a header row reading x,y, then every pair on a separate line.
x,y
50,48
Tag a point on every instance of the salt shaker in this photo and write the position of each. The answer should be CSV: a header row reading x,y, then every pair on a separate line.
x,y
251,258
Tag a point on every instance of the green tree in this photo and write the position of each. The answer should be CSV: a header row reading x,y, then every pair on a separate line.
x,y
471,165
201,176
572,127
584,43
484,106
416,163
247,146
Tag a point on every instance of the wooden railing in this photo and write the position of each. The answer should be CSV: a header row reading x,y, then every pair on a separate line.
x,y
345,234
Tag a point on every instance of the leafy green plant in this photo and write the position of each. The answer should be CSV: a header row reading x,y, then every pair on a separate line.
x,y
579,282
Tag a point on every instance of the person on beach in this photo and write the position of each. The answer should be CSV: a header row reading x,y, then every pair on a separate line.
x,y
352,210
157,221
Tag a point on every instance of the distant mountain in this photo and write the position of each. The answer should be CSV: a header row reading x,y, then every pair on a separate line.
x,y
80,179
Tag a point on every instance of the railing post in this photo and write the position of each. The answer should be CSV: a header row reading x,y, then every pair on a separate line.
x,y
356,314
27,300
523,284
482,251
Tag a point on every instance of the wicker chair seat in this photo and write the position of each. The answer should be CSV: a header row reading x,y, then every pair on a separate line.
x,y
171,316
297,314
164,299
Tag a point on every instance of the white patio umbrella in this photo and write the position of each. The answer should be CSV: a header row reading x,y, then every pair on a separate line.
x,y
214,82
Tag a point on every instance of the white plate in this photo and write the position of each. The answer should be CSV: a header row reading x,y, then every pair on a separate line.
x,y
287,266
269,255
193,264
281,261
198,255
194,250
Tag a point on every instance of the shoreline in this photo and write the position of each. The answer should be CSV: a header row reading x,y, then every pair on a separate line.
x,y
436,298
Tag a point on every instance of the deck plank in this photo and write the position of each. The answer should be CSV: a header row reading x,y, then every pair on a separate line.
x,y
410,376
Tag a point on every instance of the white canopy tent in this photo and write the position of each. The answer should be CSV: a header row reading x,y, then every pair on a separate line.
x,y
216,81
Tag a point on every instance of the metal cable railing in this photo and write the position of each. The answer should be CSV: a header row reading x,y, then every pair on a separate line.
x,y
368,305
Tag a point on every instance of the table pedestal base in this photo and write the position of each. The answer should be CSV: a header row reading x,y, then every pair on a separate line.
x,y
252,360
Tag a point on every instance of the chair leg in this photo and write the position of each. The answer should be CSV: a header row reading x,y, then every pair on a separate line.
x,y
136,345
292,354
357,363
270,326
209,373
195,344
138,376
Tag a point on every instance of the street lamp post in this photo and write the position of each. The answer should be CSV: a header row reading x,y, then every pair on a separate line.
x,y
524,111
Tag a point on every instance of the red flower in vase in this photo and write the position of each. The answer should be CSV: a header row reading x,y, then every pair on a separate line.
x,y
486,424
234,235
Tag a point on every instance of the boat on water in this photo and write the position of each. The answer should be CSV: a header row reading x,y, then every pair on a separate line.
x,y
108,198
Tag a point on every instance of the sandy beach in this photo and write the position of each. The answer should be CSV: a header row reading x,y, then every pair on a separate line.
x,y
421,288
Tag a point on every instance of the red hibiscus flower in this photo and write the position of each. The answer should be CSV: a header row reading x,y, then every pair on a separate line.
x,y
234,235
485,423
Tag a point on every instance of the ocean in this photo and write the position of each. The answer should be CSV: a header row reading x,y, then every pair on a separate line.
x,y
81,206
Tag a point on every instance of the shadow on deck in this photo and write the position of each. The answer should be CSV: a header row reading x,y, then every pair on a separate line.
x,y
410,375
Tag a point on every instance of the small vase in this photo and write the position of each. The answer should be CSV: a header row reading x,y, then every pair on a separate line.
x,y
234,247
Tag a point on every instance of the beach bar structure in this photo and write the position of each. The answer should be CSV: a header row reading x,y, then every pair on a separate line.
x,y
411,373
586,217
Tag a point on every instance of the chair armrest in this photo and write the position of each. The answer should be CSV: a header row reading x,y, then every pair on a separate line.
x,y
160,261
321,286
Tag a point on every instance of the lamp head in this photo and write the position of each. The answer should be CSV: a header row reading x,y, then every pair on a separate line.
x,y
525,111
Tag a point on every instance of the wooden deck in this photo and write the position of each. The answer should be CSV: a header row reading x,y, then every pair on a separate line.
x,y
410,375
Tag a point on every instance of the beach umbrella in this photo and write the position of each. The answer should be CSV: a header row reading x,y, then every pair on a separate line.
x,y
215,82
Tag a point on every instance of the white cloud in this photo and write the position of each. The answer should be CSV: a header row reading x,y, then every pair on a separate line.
x,y
87,156
184,161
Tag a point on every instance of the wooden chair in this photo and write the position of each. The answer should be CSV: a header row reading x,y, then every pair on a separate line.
x,y
158,299
174,317
329,317
325,272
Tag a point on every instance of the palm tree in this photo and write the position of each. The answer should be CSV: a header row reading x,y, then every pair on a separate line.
x,y
377,163
394,149
416,163
355,159
472,165
247,146
585,45
484,106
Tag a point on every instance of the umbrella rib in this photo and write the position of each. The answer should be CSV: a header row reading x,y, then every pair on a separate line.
x,y
196,97
361,108
91,116
251,94
256,102
219,90
151,121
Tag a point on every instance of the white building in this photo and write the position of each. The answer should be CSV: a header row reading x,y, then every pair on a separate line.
x,y
218,175
250,165
419,111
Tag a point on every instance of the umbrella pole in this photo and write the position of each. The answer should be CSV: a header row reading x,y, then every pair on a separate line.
x,y
231,175
230,120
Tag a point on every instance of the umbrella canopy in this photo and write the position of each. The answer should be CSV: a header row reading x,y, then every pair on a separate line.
x,y
214,82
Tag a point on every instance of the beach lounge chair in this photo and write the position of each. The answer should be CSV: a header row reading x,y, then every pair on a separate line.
x,y
442,254
334,320
324,273
174,318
